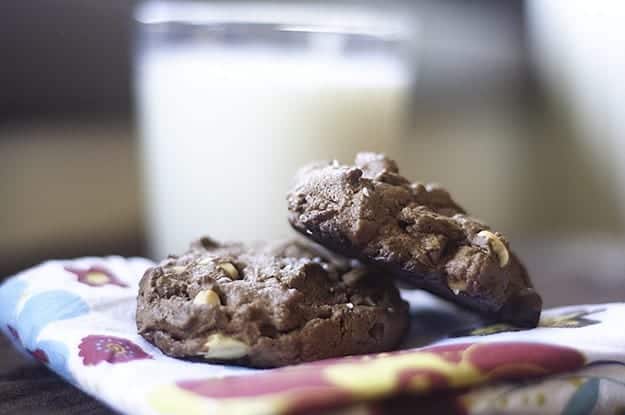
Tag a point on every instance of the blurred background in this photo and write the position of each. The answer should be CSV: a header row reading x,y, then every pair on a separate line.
x,y
518,108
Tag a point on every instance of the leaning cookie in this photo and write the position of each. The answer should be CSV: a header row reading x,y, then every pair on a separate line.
x,y
413,231
266,305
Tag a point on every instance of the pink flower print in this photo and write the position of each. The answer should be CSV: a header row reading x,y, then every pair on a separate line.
x,y
38,353
96,276
97,349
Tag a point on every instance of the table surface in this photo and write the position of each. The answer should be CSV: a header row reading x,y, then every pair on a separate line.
x,y
571,272
28,388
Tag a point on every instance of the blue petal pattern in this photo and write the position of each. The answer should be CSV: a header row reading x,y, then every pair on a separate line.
x,y
39,311
44,308
57,353
10,293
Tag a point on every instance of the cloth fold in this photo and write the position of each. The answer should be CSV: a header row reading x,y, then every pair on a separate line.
x,y
77,317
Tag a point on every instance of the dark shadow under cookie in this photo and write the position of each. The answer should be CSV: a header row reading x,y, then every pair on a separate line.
x,y
413,231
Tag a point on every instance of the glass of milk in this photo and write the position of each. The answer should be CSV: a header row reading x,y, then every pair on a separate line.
x,y
234,97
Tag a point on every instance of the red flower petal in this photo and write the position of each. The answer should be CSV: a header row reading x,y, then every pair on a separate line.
x,y
96,276
98,349
14,333
40,355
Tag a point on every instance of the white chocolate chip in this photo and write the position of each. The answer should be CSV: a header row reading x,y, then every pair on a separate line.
x,y
207,297
457,286
205,261
178,269
219,346
497,246
349,305
365,192
229,269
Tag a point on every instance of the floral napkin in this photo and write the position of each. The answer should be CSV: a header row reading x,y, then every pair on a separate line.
x,y
77,317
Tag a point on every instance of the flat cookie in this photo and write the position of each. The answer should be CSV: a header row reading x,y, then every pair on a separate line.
x,y
413,231
267,305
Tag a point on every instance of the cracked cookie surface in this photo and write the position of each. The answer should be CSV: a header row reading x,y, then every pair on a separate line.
x,y
413,231
267,305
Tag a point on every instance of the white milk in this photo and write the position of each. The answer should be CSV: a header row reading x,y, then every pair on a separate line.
x,y
224,132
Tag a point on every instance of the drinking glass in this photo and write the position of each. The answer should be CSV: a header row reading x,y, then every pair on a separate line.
x,y
233,97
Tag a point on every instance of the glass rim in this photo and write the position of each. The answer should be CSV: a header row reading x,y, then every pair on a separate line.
x,y
291,17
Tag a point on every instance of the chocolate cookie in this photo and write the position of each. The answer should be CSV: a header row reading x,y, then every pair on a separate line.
x,y
413,231
267,305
